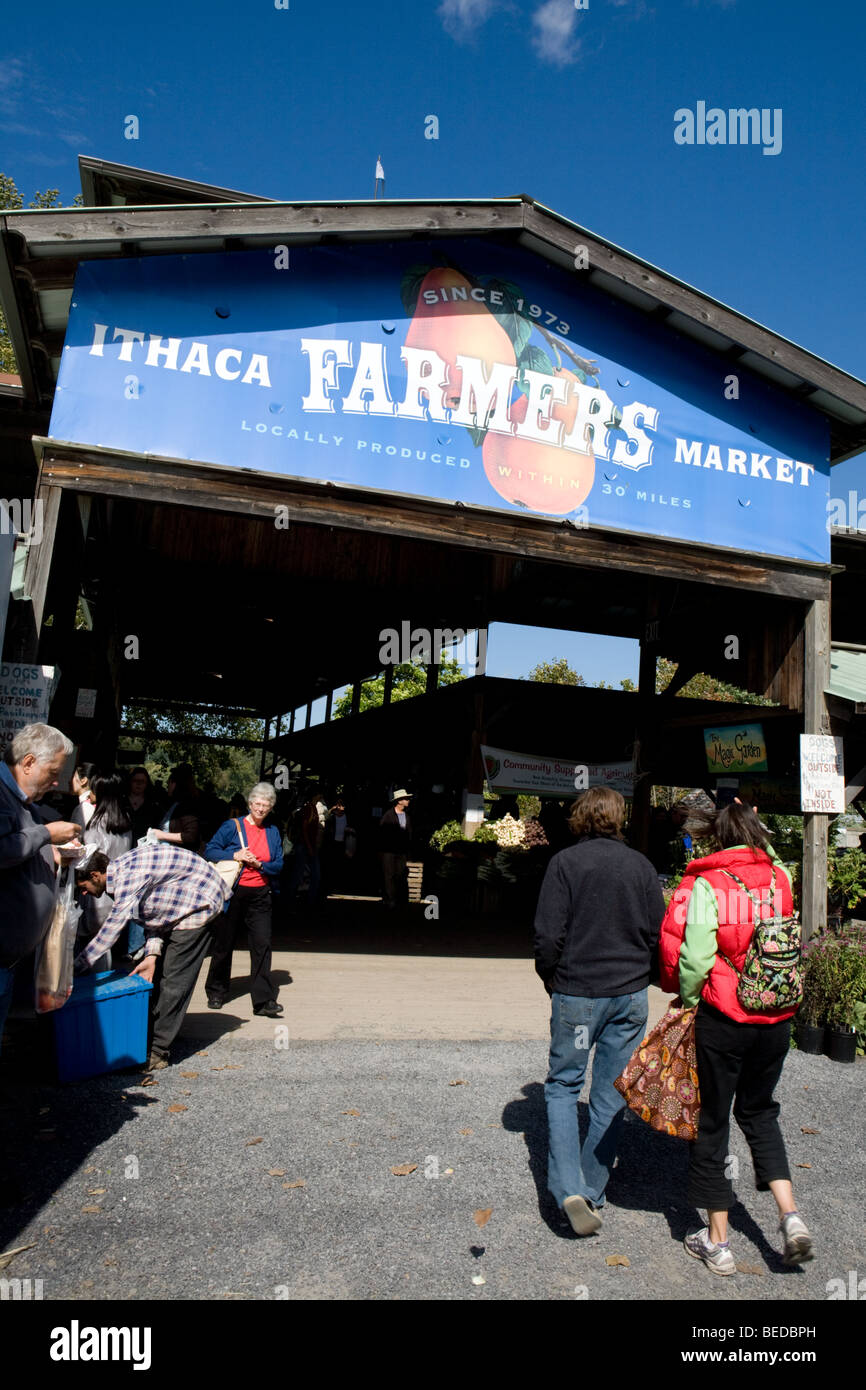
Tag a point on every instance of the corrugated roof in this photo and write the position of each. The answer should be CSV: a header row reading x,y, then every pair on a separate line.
x,y
848,673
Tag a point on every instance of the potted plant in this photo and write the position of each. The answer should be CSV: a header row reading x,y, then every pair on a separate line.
x,y
846,992
811,1017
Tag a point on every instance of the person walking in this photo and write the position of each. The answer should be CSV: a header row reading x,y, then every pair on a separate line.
x,y
257,844
310,825
395,842
596,928
177,897
706,933
28,859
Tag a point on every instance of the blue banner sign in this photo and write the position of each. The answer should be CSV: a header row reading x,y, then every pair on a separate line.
x,y
458,370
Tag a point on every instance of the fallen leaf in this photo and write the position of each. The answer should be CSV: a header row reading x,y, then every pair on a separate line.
x,y
44,1109
91,1169
217,1068
95,1191
233,1066
805,1130
404,1169
149,1081
618,1260
202,1054
9,1255
350,1112
478,1279
749,1269
466,1131
802,1165
458,1083
190,1075
176,1109
186,1093
482,1216
109,1262
91,1208
276,1172
250,1142
298,1182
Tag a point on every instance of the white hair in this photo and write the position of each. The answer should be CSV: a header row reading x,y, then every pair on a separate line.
x,y
41,741
263,791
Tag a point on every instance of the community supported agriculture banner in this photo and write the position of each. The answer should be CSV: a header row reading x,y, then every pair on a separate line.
x,y
507,771
455,369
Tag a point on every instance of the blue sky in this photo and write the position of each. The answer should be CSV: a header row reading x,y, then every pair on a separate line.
x,y
572,106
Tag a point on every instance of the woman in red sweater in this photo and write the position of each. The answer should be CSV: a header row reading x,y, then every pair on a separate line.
x,y
704,938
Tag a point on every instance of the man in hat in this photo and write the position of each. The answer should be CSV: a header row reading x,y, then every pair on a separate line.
x,y
395,839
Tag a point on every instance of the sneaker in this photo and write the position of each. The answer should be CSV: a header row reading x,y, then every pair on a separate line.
x,y
584,1218
270,1010
718,1258
155,1063
798,1242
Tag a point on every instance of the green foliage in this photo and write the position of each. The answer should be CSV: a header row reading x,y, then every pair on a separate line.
x,y
410,679
703,687
446,835
485,834
529,807
556,672
846,877
229,769
835,984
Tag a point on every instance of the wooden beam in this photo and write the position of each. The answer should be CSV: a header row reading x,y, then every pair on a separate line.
x,y
252,494
816,721
97,230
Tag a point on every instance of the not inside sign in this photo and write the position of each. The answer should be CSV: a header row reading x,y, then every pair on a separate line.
x,y
822,773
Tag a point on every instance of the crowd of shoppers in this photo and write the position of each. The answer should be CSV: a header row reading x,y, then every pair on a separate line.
x,y
156,902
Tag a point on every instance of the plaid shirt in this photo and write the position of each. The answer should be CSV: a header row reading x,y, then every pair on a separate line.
x,y
162,887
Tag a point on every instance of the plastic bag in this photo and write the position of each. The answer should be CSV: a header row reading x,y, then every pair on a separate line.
x,y
54,976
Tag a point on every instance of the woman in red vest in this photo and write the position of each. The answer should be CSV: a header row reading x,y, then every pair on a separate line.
x,y
704,938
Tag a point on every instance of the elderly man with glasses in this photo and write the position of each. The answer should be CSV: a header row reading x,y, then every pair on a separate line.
x,y
257,845
28,859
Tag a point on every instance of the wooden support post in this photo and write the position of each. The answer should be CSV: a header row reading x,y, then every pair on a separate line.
x,y
816,720
265,739
640,806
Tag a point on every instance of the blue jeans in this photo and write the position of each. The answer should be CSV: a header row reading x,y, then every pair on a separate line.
x,y
7,981
614,1027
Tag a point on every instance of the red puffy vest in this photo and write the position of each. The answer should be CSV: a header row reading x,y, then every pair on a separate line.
x,y
754,868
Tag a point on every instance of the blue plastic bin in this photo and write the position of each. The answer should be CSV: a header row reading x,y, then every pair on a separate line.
x,y
102,1026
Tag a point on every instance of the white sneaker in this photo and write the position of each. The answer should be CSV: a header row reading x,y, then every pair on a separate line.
x,y
584,1218
718,1258
798,1242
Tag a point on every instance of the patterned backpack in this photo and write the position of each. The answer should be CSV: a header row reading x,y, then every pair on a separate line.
x,y
772,974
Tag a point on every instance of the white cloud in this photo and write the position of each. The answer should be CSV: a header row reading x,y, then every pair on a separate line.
x,y
12,73
553,39
462,17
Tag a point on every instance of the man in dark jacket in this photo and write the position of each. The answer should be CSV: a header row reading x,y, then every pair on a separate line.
x,y
395,840
28,863
596,930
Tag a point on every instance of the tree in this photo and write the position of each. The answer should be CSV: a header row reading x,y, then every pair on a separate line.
x,y
703,687
229,769
556,672
410,679
11,201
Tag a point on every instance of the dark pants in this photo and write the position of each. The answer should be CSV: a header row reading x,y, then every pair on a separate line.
x,y
174,980
738,1063
394,873
250,908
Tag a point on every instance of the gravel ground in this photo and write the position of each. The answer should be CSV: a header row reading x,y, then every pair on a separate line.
x,y
165,1191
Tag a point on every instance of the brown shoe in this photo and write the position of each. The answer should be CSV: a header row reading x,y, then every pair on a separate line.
x,y
155,1063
